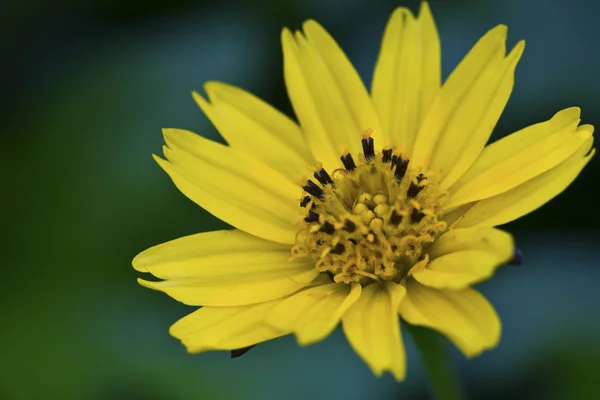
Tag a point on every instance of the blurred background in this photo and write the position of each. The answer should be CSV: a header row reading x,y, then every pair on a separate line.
x,y
86,90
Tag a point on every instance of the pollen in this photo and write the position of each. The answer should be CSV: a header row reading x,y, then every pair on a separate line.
x,y
372,220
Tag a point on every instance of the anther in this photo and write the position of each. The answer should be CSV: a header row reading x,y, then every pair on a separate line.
x,y
323,177
337,249
349,226
396,218
327,228
394,161
413,189
400,169
368,148
386,155
313,189
312,217
304,202
348,162
416,216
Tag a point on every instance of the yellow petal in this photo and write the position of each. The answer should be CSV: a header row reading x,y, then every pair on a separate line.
x,y
528,196
233,186
224,268
372,327
490,240
463,257
487,53
314,313
327,95
407,75
521,156
458,270
249,124
473,122
464,316
226,328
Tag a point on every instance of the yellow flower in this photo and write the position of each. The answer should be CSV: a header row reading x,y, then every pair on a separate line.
x,y
396,222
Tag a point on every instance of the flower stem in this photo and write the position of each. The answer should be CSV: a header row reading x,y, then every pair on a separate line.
x,y
434,355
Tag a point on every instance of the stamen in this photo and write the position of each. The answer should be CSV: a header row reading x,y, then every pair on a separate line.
x,y
338,249
349,226
396,218
386,156
312,217
304,202
348,162
327,228
367,144
401,168
323,177
416,216
414,190
313,189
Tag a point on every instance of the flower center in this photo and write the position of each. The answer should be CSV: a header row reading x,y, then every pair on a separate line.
x,y
371,220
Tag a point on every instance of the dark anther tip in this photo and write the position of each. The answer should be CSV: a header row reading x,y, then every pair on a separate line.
x,y
386,155
327,228
338,249
240,352
313,189
416,216
401,168
413,190
312,217
348,162
517,258
304,202
396,218
323,177
368,148
349,226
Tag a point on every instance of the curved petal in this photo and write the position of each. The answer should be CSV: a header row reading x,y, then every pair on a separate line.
x,y
478,65
314,313
474,120
462,257
231,185
372,327
528,196
327,94
226,328
249,124
464,316
407,75
491,240
224,268
515,159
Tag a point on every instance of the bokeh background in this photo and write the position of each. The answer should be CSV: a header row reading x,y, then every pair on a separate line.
x,y
86,89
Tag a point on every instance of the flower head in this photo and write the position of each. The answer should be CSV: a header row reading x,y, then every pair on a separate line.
x,y
374,207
